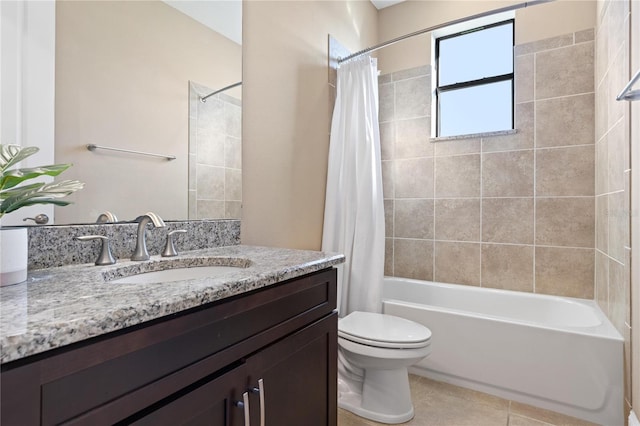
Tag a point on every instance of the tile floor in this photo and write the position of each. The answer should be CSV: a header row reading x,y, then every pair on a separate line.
x,y
441,404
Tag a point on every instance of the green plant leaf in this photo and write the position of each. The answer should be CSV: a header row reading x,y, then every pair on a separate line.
x,y
13,154
38,194
12,178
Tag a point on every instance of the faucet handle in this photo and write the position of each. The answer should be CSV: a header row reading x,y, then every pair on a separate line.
x,y
169,248
105,257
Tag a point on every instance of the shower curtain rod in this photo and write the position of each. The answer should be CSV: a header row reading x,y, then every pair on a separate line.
x,y
231,86
438,26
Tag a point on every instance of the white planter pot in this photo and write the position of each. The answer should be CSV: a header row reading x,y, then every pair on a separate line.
x,y
14,252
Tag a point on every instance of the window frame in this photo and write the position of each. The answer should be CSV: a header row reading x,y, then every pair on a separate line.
x,y
478,82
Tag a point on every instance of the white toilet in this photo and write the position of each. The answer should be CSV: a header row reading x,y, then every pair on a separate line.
x,y
374,352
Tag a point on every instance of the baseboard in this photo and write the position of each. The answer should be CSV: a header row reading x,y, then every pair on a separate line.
x,y
633,419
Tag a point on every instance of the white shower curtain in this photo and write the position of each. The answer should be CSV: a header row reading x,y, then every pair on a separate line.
x,y
354,209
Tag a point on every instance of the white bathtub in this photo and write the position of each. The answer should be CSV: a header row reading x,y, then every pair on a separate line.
x,y
556,353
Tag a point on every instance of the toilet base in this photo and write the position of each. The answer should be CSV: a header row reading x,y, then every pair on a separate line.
x,y
374,401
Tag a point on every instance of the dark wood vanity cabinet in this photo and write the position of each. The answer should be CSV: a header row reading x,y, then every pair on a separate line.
x,y
273,350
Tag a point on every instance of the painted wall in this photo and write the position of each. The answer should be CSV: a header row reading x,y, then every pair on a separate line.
x,y
533,23
122,80
286,113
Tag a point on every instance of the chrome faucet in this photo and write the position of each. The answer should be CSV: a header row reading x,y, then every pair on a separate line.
x,y
141,252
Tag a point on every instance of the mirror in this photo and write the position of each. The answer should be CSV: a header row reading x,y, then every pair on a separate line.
x,y
129,75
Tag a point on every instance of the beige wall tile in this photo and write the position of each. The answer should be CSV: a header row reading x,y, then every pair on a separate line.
x,y
564,271
507,267
413,259
387,102
617,156
210,209
618,225
233,209
233,185
523,139
565,222
210,148
545,44
565,121
618,302
457,219
602,281
388,256
524,77
507,174
457,176
601,110
412,138
585,35
388,187
411,73
449,267
210,181
602,223
601,167
233,153
457,146
388,218
565,71
413,218
414,178
415,96
565,171
507,220
387,140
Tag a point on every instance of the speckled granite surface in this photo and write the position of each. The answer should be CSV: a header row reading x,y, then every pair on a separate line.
x,y
62,305
55,245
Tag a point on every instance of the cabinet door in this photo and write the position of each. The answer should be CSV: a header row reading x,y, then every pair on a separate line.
x,y
213,403
299,375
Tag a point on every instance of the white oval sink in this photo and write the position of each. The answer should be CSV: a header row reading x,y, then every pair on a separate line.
x,y
177,274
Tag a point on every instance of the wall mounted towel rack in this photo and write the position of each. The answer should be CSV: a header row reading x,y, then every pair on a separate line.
x,y
627,94
93,147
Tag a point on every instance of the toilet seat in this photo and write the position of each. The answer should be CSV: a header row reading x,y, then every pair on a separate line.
x,y
383,331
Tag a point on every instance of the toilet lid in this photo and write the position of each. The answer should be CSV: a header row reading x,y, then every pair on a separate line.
x,y
383,330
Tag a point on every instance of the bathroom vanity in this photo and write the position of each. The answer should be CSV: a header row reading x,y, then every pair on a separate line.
x,y
253,346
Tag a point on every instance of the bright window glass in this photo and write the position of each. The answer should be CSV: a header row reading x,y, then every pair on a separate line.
x,y
475,81
476,109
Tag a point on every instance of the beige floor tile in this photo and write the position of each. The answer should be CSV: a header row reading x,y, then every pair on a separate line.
x,y
442,404
546,416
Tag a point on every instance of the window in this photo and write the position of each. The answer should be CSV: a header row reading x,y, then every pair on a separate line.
x,y
474,80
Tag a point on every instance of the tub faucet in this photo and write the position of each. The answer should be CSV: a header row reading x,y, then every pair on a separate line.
x,y
141,252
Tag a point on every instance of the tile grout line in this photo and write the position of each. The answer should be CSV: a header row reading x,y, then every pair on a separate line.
x,y
535,196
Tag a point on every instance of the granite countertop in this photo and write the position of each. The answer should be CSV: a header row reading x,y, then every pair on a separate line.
x,y
63,305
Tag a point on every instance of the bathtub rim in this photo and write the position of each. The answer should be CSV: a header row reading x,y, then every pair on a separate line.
x,y
604,330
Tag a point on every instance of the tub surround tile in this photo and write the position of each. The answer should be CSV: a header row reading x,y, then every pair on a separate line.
x,y
561,121
524,74
618,300
388,256
387,140
545,44
564,271
601,167
415,94
507,174
448,265
389,229
208,209
508,267
405,223
421,71
522,139
565,171
507,220
388,187
457,219
414,178
457,147
602,223
618,225
60,306
413,259
584,35
565,71
602,281
617,156
387,96
457,176
566,222
412,138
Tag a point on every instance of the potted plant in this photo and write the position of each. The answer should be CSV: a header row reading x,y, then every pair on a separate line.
x,y
14,196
